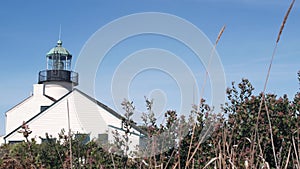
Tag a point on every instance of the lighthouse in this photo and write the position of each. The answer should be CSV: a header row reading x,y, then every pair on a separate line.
x,y
55,104
58,78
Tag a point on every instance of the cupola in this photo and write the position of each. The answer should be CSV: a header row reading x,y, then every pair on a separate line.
x,y
58,66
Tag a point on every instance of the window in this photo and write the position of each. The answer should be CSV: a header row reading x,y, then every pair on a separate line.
x,y
44,108
83,138
15,141
48,140
103,138
143,141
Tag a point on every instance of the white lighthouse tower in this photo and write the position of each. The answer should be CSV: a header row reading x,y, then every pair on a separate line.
x,y
58,79
53,83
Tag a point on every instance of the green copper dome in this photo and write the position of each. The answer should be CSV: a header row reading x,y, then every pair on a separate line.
x,y
58,50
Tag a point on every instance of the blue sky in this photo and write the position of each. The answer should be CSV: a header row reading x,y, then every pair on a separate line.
x,y
29,29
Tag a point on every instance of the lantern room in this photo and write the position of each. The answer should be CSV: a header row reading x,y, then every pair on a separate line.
x,y
58,58
58,66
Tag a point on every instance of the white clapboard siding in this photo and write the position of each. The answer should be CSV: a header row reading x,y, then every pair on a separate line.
x,y
1,140
86,115
52,121
26,109
89,114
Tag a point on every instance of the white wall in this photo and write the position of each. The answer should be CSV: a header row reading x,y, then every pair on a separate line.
x,y
57,89
1,140
85,117
26,109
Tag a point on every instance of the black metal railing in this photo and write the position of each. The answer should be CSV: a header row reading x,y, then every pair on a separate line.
x,y
58,75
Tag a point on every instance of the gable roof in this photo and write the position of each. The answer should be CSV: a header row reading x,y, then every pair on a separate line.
x,y
111,111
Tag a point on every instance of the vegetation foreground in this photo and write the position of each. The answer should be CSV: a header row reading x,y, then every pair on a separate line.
x,y
253,131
